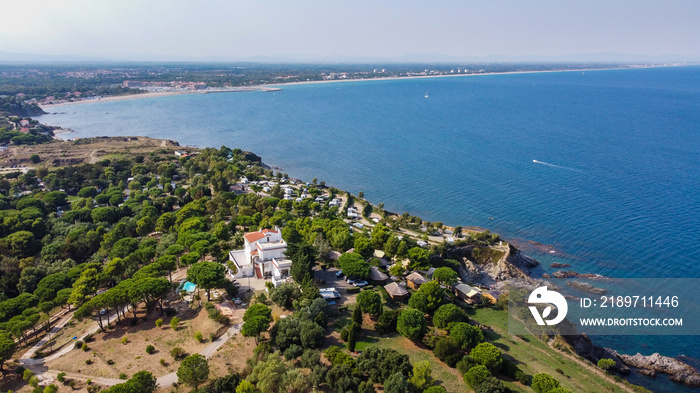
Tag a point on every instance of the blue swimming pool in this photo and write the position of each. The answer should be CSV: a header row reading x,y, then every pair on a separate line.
x,y
188,286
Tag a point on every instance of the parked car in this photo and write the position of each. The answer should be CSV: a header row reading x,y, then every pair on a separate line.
x,y
359,283
339,273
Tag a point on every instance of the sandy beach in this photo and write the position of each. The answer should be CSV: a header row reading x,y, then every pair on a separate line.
x,y
281,85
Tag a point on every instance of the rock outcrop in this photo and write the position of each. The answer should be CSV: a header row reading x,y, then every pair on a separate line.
x,y
584,286
512,264
680,372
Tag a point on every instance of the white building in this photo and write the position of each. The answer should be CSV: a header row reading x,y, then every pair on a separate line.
x,y
262,255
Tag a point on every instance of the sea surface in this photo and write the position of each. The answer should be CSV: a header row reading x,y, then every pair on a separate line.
x,y
602,165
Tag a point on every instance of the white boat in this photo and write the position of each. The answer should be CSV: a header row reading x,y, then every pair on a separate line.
x,y
426,94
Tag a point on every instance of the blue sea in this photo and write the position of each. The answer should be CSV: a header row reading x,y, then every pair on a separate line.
x,y
614,186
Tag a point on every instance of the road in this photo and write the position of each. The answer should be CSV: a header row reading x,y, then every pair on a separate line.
x,y
47,376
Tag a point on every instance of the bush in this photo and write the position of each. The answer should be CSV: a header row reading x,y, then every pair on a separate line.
x,y
522,377
488,355
78,344
85,347
125,340
150,349
411,324
162,362
310,358
159,322
212,337
293,352
87,338
20,370
444,348
61,377
543,382
27,374
88,361
465,364
110,362
476,376
446,314
352,290
169,312
123,376
198,336
606,364
491,385
177,353
386,323
174,323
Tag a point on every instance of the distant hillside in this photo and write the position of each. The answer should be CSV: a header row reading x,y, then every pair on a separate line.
x,y
15,107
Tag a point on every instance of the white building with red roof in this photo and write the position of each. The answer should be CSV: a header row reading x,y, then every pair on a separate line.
x,y
262,255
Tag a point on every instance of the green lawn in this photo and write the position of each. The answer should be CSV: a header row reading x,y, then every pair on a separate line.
x,y
534,356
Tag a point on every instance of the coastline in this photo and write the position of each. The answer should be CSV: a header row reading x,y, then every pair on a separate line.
x,y
390,78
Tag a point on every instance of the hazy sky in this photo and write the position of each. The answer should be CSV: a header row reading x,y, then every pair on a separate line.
x,y
342,29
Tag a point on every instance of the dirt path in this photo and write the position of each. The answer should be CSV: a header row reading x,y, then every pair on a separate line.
x,y
67,316
167,380
94,159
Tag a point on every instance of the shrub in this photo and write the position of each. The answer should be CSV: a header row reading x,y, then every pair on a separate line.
x,y
293,352
465,364
162,362
476,376
411,324
310,358
198,336
61,377
150,349
177,353
159,322
488,355
125,340
212,337
87,338
174,323
543,382
88,361
85,347
444,348
110,362
123,376
446,314
78,344
386,323
522,377
491,385
27,374
51,389
606,364
20,370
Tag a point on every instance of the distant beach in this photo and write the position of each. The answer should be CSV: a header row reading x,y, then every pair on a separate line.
x,y
279,85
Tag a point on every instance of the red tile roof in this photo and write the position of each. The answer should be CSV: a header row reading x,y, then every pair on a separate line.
x,y
252,237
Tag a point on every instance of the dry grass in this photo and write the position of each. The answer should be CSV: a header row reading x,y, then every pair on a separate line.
x,y
129,358
88,150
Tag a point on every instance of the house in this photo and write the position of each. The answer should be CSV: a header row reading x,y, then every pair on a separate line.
x,y
262,255
396,292
427,273
377,276
415,280
467,293
492,295
421,243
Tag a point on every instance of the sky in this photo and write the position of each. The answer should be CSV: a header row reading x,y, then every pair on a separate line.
x,y
344,30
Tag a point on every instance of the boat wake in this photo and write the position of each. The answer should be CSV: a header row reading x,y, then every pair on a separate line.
x,y
556,166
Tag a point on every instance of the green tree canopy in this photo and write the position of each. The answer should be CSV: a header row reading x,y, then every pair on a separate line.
x,y
370,302
488,355
354,265
194,370
412,324
448,313
207,275
428,297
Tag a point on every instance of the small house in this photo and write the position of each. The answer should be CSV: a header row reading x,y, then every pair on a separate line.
x,y
329,294
492,295
415,280
377,276
467,293
396,292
